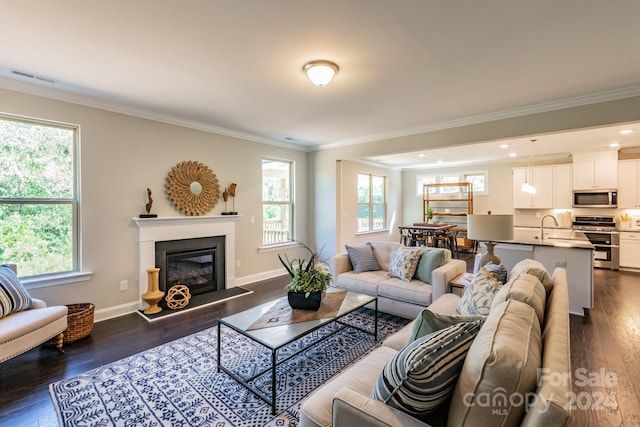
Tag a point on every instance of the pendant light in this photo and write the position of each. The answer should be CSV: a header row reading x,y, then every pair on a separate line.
x,y
528,187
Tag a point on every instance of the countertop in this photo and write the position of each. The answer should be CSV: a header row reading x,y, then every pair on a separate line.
x,y
560,238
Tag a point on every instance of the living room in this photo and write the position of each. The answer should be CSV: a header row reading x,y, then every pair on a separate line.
x,y
126,149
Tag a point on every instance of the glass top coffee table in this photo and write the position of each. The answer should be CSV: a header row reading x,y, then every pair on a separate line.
x,y
276,337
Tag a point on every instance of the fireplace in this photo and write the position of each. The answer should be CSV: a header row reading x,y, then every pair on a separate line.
x,y
197,263
152,230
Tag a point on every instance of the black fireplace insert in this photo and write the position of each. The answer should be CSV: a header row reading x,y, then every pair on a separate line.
x,y
198,263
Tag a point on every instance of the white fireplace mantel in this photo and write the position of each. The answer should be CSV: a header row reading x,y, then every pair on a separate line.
x,y
152,230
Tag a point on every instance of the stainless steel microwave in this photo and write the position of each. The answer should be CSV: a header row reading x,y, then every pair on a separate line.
x,y
595,198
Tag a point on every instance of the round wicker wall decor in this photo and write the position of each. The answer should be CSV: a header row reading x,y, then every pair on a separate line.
x,y
192,188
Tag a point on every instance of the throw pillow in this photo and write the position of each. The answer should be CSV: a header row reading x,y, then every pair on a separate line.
x,y
430,259
498,271
478,295
422,376
501,369
404,262
535,268
362,258
524,288
429,322
13,296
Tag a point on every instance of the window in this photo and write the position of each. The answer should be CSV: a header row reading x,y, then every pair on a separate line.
x,y
372,202
277,203
38,199
478,182
421,181
449,179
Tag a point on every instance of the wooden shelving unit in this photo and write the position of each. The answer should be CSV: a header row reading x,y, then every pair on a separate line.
x,y
450,200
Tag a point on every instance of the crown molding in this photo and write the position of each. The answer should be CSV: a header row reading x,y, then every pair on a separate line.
x,y
88,101
578,101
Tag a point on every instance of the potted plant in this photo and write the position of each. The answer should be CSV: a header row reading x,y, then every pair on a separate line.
x,y
308,279
429,214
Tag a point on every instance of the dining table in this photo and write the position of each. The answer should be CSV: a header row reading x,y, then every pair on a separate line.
x,y
420,232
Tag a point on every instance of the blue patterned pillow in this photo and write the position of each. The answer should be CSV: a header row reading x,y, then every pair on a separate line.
x,y
404,262
422,376
13,296
362,258
479,294
498,271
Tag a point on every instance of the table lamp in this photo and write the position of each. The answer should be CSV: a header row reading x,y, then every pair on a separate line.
x,y
488,228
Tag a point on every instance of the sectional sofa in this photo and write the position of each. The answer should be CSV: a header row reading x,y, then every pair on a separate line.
x,y
509,376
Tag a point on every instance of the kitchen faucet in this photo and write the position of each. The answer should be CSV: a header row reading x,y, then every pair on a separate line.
x,y
542,224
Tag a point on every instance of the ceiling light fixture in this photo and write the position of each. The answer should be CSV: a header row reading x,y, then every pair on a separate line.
x,y
320,72
626,131
527,186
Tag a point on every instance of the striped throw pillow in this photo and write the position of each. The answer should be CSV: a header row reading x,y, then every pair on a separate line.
x,y
362,258
13,296
422,376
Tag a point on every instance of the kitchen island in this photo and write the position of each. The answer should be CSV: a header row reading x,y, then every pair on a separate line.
x,y
564,248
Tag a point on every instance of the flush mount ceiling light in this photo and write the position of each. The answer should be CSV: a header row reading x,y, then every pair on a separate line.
x,y
320,72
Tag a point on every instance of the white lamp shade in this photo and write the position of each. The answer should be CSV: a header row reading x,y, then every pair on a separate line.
x,y
490,227
320,73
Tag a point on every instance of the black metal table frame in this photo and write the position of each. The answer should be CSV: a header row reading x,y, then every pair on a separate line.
x,y
274,350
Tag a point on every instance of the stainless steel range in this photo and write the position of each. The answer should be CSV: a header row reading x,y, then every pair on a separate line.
x,y
601,232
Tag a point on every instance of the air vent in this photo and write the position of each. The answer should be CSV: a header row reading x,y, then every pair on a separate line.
x,y
33,76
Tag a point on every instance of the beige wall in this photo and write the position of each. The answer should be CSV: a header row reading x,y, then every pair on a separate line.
x,y
123,155
499,199
324,216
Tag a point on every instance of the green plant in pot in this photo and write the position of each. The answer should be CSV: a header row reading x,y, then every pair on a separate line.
x,y
309,277
430,213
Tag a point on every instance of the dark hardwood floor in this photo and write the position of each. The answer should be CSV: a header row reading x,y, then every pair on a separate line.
x,y
605,341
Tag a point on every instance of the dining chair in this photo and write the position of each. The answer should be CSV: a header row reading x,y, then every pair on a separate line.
x,y
449,240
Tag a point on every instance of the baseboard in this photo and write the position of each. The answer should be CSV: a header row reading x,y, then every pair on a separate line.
x,y
115,311
134,306
266,275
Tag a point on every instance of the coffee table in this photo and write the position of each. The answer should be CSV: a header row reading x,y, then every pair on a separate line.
x,y
276,337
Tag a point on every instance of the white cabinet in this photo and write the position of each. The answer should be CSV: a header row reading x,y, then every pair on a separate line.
x,y
629,184
562,187
595,170
541,178
630,249
553,188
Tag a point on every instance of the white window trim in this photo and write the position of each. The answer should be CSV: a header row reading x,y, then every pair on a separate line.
x,y
265,247
77,275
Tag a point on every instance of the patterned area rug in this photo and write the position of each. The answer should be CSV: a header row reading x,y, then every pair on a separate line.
x,y
177,384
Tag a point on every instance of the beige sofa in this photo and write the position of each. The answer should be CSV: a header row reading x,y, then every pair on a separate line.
x,y
395,296
345,400
24,330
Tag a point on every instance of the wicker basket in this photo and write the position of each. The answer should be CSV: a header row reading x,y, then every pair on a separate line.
x,y
79,321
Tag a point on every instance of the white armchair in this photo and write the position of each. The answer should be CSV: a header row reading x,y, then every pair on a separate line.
x,y
23,330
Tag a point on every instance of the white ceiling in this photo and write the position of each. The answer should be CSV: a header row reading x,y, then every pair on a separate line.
x,y
235,66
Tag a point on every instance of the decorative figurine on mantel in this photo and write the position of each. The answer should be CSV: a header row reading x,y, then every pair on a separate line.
x,y
148,206
230,192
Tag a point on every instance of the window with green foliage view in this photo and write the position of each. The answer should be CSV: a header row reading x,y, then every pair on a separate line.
x,y
372,202
38,201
